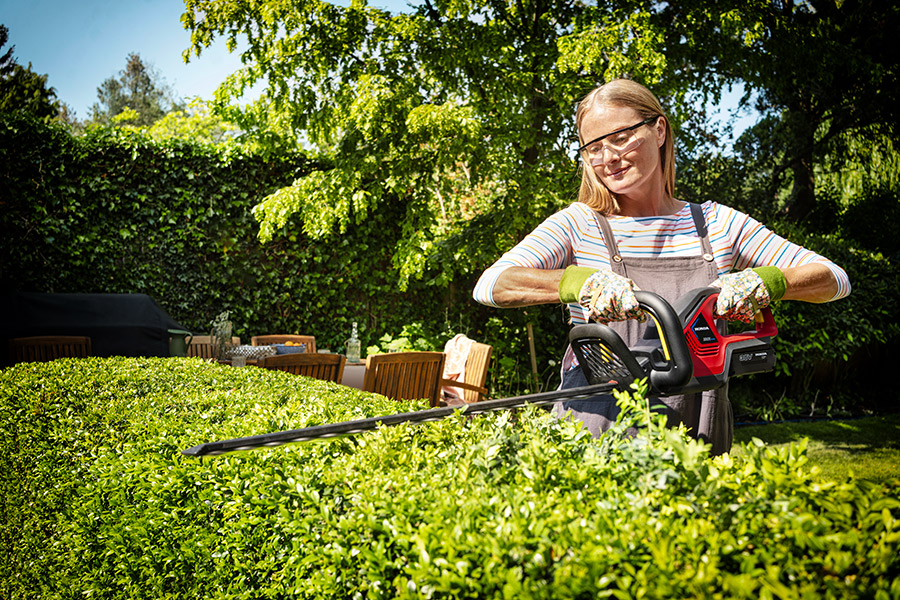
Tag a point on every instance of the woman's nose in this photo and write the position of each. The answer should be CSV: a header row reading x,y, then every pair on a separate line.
x,y
606,156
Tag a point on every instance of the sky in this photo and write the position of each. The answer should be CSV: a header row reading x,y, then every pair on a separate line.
x,y
80,43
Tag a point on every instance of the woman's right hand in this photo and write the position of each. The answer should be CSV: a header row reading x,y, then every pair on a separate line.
x,y
604,295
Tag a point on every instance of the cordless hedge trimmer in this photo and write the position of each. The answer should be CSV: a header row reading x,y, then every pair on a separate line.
x,y
682,352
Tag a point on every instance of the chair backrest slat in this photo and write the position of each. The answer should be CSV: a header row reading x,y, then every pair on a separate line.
x,y
476,369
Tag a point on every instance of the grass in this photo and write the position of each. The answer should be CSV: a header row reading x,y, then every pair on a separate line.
x,y
866,448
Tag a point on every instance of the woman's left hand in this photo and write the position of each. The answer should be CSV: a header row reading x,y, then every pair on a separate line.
x,y
745,293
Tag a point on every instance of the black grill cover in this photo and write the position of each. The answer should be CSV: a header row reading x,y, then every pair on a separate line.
x,y
118,324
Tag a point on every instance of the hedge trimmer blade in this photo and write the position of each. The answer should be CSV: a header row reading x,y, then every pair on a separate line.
x,y
684,353
330,430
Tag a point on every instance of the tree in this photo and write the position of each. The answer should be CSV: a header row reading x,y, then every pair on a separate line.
x,y
24,90
193,123
6,59
821,70
462,111
138,87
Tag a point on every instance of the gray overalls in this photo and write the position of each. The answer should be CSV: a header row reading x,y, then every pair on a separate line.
x,y
707,415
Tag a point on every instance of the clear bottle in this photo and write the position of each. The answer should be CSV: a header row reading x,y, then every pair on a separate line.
x,y
353,346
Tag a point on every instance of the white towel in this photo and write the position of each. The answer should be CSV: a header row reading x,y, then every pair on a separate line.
x,y
457,353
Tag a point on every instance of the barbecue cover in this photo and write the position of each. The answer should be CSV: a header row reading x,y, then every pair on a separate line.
x,y
118,324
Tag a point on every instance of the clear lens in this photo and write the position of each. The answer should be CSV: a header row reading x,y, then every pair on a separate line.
x,y
619,144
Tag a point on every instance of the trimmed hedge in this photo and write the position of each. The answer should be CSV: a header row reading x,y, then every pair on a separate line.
x,y
98,502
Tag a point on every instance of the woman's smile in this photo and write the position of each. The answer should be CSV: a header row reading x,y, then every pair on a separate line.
x,y
619,172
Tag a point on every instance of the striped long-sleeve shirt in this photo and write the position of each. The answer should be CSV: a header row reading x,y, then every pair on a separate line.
x,y
572,237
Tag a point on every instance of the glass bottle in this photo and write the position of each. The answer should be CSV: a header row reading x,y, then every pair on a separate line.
x,y
353,346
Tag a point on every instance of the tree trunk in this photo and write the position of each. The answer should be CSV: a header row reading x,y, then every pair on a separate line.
x,y
802,124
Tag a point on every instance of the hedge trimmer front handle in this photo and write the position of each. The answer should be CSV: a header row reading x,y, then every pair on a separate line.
x,y
684,353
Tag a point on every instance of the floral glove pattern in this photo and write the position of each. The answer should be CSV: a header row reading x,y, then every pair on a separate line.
x,y
742,295
609,297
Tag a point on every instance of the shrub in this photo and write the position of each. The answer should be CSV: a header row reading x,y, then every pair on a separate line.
x,y
98,501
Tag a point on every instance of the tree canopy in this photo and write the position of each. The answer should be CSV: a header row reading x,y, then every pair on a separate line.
x,y
456,109
463,109
24,90
817,70
139,88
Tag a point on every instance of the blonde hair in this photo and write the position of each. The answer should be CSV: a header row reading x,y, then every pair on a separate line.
x,y
628,94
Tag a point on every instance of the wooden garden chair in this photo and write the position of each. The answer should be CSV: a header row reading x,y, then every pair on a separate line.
x,y
475,374
43,348
405,375
328,367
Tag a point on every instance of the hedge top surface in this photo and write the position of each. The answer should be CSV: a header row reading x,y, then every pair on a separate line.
x,y
100,503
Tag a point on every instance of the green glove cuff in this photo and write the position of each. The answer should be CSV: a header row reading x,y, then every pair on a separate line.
x,y
774,281
572,281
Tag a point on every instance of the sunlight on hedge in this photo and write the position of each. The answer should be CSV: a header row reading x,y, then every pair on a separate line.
x,y
100,503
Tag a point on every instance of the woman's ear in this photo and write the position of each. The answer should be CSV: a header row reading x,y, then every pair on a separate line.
x,y
660,132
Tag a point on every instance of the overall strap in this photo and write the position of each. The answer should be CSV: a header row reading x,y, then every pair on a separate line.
x,y
615,259
700,224
616,263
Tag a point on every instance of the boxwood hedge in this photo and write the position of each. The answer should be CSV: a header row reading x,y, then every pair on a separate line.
x,y
98,501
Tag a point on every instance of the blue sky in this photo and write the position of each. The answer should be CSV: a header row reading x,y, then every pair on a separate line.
x,y
80,43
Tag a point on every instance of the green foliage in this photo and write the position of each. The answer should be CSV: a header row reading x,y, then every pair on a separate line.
x,y
454,109
99,502
25,90
6,60
838,357
819,71
865,448
194,123
413,337
21,89
138,88
116,212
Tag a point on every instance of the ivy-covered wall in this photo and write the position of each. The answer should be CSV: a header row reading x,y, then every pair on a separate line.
x,y
119,213
113,212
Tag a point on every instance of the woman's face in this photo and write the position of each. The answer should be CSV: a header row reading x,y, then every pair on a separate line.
x,y
628,163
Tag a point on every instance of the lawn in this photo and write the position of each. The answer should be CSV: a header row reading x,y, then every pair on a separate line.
x,y
866,448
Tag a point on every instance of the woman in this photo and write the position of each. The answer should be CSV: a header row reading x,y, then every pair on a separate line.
x,y
628,231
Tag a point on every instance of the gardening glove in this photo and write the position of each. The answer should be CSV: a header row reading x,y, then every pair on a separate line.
x,y
745,293
603,294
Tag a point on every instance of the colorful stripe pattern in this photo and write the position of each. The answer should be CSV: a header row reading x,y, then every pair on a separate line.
x,y
572,236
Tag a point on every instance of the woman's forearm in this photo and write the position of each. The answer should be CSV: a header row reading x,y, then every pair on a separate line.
x,y
522,286
810,283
